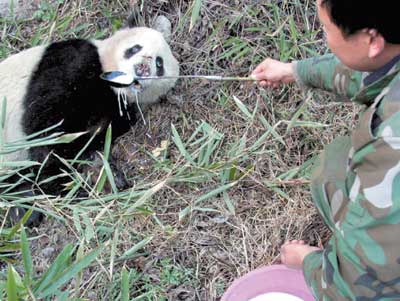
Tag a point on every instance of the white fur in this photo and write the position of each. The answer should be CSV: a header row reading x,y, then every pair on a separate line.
x,y
15,73
112,52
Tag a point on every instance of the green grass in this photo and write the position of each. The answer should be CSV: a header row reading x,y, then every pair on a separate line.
x,y
218,183
166,273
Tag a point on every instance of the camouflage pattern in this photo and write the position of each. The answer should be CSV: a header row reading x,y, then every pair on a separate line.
x,y
356,187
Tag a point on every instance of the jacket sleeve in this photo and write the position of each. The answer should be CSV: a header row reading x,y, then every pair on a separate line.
x,y
328,73
361,260
322,274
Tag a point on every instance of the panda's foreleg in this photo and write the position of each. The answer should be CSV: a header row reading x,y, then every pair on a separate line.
x,y
94,170
121,123
29,188
51,167
15,214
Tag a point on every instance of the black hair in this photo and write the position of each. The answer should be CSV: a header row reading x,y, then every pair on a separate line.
x,y
354,15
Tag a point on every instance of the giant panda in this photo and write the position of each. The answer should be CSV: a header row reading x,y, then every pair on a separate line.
x,y
60,82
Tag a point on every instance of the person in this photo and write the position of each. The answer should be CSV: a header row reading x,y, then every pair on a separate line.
x,y
356,183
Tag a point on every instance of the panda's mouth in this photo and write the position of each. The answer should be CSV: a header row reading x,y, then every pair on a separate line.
x,y
142,70
136,86
119,79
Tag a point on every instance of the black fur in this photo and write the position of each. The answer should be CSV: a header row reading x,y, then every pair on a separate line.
x,y
160,66
132,51
66,86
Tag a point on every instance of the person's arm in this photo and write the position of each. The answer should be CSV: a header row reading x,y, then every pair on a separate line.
x,y
324,72
322,274
328,73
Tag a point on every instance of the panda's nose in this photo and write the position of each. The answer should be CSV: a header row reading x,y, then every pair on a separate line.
x,y
142,70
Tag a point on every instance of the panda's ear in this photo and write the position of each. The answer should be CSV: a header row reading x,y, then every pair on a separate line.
x,y
135,19
163,25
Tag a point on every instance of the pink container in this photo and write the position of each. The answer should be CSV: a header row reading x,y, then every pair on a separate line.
x,y
274,278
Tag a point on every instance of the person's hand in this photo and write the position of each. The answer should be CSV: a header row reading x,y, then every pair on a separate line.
x,y
293,253
273,73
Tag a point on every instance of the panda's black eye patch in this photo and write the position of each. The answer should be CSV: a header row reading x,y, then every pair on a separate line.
x,y
160,66
132,51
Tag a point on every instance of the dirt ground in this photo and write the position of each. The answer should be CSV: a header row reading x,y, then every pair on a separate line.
x,y
214,247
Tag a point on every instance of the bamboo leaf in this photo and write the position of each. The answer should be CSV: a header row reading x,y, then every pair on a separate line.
x,y
36,134
76,220
27,258
290,174
24,164
84,148
113,251
143,199
109,174
18,225
229,204
311,124
260,141
300,111
89,229
279,192
178,142
195,13
272,130
9,247
132,251
101,180
107,143
242,107
78,279
125,285
67,138
206,196
183,213
215,192
57,266
11,285
70,273
63,296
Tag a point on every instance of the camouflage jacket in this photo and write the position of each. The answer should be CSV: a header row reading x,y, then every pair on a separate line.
x,y
356,186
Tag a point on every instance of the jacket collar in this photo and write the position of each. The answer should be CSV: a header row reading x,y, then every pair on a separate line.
x,y
374,82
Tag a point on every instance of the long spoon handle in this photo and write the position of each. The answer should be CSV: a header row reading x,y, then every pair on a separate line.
x,y
208,77
121,79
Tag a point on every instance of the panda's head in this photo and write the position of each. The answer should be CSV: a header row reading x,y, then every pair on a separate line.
x,y
142,52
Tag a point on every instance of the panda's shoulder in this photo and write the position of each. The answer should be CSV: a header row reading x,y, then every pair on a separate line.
x,y
86,46
67,63
70,52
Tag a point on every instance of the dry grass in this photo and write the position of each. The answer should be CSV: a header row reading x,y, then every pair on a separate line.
x,y
235,230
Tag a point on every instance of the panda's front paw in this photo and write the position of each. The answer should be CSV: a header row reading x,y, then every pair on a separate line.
x,y
17,213
119,178
95,169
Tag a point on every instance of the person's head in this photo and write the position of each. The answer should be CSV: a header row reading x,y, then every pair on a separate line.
x,y
362,33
